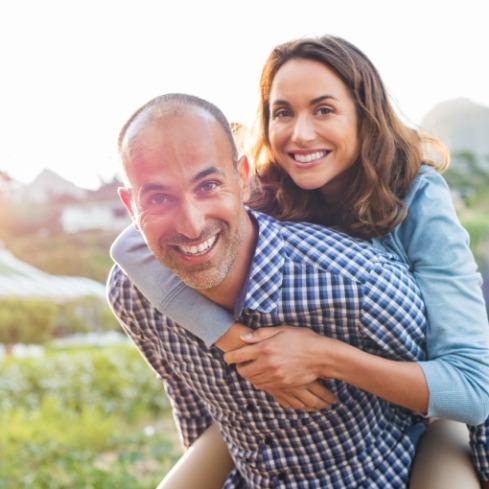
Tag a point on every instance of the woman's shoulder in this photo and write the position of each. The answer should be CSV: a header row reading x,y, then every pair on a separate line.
x,y
427,185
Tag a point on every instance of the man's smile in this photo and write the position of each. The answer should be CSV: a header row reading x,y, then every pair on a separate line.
x,y
201,248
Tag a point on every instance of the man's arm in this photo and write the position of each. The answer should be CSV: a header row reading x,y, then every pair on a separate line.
x,y
141,322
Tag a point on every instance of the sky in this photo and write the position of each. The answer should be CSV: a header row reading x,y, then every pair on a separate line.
x,y
74,71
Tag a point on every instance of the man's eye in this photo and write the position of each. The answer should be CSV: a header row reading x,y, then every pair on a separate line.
x,y
209,186
156,199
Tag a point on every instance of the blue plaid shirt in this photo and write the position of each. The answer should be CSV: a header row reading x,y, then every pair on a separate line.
x,y
307,276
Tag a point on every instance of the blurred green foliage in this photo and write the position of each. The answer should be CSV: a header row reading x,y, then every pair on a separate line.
x,y
26,320
35,321
75,419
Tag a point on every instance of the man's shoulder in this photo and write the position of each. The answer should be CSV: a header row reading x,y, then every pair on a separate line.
x,y
116,277
322,248
120,289
319,242
308,231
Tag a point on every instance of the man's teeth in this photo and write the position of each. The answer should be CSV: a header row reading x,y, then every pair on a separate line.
x,y
310,157
200,248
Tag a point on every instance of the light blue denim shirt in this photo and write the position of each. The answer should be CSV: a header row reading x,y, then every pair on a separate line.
x,y
436,248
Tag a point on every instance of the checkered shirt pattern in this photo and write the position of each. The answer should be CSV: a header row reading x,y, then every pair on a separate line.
x,y
479,440
306,276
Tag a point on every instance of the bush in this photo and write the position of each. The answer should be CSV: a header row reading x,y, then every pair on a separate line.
x,y
83,315
114,379
26,320
74,420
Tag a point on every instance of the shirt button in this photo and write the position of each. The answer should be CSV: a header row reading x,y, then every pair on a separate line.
x,y
250,407
281,476
268,440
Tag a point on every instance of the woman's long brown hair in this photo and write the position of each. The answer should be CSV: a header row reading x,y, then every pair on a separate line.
x,y
389,159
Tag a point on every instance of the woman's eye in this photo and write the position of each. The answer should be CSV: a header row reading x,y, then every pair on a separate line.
x,y
281,113
324,110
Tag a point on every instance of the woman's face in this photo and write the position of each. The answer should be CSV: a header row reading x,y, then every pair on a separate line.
x,y
313,127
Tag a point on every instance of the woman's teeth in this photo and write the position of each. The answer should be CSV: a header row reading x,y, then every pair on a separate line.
x,y
310,157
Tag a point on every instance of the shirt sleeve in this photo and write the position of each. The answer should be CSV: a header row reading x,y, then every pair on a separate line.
x,y
166,292
138,319
457,337
479,443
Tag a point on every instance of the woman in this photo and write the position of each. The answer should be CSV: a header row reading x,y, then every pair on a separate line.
x,y
331,150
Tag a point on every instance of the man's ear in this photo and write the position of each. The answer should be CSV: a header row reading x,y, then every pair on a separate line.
x,y
125,196
244,175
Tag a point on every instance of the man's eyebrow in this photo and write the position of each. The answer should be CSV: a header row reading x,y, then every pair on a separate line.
x,y
208,171
149,187
212,170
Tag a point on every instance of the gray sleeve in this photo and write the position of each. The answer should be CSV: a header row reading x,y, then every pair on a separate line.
x,y
167,292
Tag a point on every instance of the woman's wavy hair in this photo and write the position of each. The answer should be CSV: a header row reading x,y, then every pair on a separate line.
x,y
390,153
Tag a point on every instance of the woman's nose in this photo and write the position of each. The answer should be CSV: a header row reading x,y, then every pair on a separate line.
x,y
303,130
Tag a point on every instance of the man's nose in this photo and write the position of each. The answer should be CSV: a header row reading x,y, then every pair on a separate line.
x,y
303,130
190,220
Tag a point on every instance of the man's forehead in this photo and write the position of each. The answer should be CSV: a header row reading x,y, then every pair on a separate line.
x,y
155,118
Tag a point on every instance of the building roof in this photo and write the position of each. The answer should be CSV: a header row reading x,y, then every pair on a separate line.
x,y
21,280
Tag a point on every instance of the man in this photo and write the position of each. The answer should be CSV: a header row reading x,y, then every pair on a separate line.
x,y
186,193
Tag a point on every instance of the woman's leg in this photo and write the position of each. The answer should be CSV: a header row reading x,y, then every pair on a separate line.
x,y
205,465
442,459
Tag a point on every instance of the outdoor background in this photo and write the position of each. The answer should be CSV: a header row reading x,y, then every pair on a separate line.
x,y
79,408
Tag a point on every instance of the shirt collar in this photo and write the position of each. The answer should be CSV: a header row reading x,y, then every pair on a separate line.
x,y
262,289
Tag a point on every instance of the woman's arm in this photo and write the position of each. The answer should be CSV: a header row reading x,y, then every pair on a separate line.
x,y
167,292
456,371
386,338
288,356
435,245
202,317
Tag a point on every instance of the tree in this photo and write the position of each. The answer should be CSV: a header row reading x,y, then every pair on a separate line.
x,y
468,176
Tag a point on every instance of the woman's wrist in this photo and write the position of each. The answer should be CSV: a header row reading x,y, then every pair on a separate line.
x,y
231,339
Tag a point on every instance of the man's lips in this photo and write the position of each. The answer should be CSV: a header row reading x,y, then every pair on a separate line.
x,y
308,158
199,249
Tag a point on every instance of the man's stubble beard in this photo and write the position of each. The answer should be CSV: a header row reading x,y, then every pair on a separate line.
x,y
209,274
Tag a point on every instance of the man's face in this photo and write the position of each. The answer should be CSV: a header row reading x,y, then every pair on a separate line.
x,y
186,197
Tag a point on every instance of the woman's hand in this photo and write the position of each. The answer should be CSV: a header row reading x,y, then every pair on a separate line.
x,y
281,357
313,397
278,361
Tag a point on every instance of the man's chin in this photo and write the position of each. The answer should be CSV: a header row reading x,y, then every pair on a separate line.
x,y
199,280
204,276
200,283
